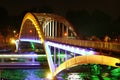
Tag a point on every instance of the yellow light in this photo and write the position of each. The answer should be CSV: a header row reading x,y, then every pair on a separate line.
x,y
49,76
12,41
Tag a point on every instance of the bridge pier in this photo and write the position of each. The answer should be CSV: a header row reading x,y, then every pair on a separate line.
x,y
54,55
33,60
58,56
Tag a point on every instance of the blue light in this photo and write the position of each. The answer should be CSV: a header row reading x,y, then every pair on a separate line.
x,y
71,48
64,47
31,40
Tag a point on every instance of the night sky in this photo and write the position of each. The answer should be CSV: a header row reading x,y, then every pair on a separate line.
x,y
110,7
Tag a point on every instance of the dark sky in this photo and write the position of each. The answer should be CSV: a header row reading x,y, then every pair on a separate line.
x,y
111,7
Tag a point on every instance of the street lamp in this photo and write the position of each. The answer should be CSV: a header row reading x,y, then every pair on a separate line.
x,y
14,31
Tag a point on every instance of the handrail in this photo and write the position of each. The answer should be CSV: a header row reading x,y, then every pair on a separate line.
x,y
111,46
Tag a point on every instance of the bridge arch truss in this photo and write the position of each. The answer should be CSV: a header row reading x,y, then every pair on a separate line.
x,y
38,26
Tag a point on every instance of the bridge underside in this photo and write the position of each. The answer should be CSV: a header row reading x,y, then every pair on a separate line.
x,y
88,59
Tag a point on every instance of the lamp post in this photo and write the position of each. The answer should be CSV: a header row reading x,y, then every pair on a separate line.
x,y
14,32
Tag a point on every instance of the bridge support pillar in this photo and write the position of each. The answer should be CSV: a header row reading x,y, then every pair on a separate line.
x,y
50,29
66,55
55,55
58,56
47,30
55,29
33,60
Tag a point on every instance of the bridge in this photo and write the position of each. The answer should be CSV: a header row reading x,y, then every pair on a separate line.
x,y
58,37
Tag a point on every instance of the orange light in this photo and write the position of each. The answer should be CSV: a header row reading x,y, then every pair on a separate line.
x,y
30,31
65,34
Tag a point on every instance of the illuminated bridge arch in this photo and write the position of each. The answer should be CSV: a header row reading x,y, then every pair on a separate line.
x,y
39,26
87,59
47,25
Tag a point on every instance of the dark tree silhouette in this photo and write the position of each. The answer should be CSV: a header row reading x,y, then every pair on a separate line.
x,y
3,22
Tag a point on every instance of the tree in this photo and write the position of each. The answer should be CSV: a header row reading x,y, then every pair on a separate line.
x,y
3,22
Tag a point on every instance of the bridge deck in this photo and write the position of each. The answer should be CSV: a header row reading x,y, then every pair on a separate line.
x,y
110,46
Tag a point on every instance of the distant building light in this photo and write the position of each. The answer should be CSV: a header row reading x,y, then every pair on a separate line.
x,y
30,31
65,34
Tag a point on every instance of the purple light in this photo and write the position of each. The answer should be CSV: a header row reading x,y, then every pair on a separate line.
x,y
31,40
50,61
91,52
64,47
82,52
67,48
77,50
71,48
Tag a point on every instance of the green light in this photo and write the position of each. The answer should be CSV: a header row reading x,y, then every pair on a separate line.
x,y
106,78
62,55
115,72
95,69
32,45
95,77
109,67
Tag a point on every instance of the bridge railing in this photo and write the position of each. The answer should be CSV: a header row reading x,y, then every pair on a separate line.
x,y
111,46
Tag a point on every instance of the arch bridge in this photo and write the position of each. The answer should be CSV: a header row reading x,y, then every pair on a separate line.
x,y
59,39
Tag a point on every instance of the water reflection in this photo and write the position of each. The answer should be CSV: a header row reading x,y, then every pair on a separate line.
x,y
24,74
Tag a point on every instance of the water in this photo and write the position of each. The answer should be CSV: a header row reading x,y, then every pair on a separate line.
x,y
24,74
31,75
